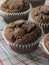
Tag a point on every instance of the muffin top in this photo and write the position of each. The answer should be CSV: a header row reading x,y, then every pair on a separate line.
x,y
46,41
15,6
41,14
22,32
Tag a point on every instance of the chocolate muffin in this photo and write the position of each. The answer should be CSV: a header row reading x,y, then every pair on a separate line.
x,y
14,6
41,16
46,41
23,34
12,10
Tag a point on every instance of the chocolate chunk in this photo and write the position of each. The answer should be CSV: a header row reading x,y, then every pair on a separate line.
x,y
18,33
36,14
46,12
28,27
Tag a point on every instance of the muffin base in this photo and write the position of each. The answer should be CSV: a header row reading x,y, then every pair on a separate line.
x,y
25,50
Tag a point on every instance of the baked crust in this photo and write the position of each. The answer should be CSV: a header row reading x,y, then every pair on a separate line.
x,y
41,14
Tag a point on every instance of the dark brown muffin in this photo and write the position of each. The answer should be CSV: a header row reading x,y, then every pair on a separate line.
x,y
15,6
41,14
46,42
22,32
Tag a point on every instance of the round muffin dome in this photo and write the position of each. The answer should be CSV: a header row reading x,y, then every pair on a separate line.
x,y
15,6
22,32
41,14
23,36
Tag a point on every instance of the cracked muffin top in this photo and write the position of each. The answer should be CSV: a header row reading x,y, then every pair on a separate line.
x,y
22,32
41,14
46,41
15,6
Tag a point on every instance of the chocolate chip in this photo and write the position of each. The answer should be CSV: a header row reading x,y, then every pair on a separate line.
x,y
31,28
36,14
46,12
41,17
